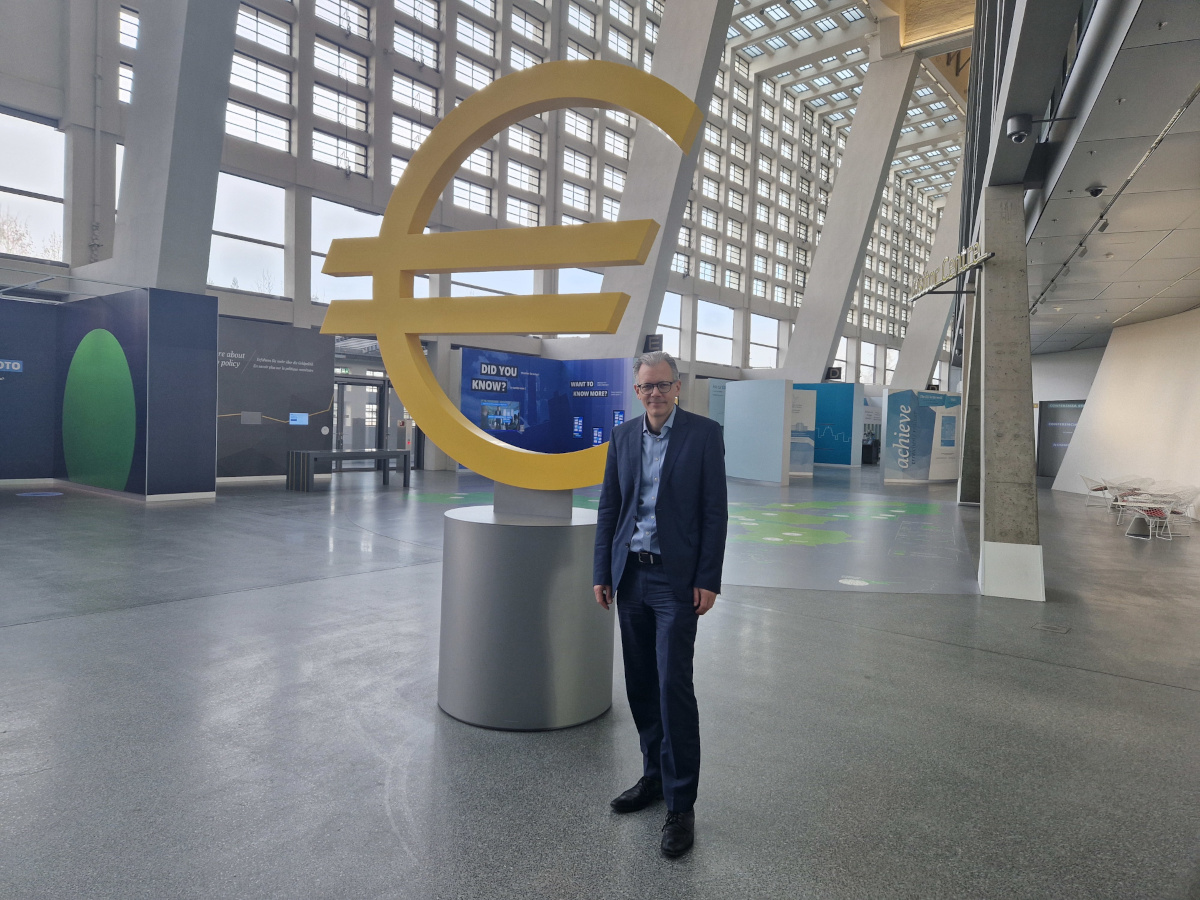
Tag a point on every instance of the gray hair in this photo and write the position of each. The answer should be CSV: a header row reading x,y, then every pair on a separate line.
x,y
653,359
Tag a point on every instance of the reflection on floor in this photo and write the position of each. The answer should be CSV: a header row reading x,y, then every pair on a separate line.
x,y
238,699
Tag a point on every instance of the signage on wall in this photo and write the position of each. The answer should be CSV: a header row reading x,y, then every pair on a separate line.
x,y
12,365
950,268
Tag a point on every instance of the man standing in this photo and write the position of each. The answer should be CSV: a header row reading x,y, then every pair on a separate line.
x,y
660,540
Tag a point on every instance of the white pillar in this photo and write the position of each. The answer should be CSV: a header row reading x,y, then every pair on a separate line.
x,y
173,147
931,313
852,206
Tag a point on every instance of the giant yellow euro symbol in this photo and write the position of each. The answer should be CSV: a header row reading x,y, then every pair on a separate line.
x,y
398,319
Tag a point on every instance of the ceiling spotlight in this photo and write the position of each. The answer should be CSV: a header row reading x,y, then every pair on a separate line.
x,y
1109,255
1054,285
1066,271
1097,189
1058,309
1103,226
1082,251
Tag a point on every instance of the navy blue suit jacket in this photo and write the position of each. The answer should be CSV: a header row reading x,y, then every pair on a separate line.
x,y
692,509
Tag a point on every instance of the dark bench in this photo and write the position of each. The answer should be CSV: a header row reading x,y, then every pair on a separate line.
x,y
302,464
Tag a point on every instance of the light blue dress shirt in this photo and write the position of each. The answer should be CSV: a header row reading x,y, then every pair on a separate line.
x,y
654,451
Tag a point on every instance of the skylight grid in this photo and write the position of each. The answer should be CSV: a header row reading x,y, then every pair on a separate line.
x,y
776,42
800,34
752,22
853,14
753,51
776,13
844,73
826,24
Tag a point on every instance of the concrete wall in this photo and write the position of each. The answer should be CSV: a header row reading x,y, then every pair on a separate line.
x,y
1065,376
31,56
1143,412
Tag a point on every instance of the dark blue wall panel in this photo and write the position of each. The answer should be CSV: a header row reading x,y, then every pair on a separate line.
x,y
29,400
182,393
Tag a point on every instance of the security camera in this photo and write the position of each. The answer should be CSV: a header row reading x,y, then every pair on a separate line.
x,y
1096,190
1018,127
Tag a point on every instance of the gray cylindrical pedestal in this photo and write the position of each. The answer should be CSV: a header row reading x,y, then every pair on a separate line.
x,y
524,645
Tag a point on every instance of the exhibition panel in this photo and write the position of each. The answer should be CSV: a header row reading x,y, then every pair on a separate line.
x,y
276,384
921,439
119,392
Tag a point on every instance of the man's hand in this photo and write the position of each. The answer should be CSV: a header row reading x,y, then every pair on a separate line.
x,y
703,600
604,594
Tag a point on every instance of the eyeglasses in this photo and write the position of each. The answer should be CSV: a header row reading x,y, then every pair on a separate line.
x,y
663,387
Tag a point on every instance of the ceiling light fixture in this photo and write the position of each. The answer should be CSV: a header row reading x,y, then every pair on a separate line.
x,y
1103,226
1083,251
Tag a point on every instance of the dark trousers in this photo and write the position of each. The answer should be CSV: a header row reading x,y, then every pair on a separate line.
x,y
658,637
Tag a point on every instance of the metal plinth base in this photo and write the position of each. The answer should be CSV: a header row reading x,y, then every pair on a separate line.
x,y
524,646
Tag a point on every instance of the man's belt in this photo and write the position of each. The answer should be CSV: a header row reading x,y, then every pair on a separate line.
x,y
645,558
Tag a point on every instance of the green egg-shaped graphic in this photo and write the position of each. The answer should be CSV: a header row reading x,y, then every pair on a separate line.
x,y
99,421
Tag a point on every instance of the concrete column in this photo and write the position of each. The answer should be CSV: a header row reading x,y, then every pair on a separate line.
x,y
173,146
90,118
90,198
852,206
968,470
931,314
688,55
297,254
741,337
1010,560
687,326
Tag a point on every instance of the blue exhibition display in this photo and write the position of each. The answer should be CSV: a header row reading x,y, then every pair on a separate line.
x,y
838,428
546,405
921,437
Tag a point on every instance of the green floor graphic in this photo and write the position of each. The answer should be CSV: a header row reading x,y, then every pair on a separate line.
x,y
784,523
777,524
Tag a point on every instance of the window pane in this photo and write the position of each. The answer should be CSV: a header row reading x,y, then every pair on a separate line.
x,y
579,281
670,309
31,227
330,287
670,338
763,357
764,330
334,220
255,125
714,350
249,208
245,266
31,156
713,318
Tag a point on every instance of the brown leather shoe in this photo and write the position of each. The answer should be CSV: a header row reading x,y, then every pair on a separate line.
x,y
641,795
678,833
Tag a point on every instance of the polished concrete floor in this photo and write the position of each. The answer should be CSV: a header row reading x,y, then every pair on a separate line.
x,y
238,699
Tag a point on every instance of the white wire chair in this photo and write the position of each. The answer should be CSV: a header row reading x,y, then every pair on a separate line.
x,y
1182,516
1124,491
1155,510
1097,492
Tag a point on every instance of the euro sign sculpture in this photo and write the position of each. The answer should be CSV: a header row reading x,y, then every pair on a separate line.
x,y
397,319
